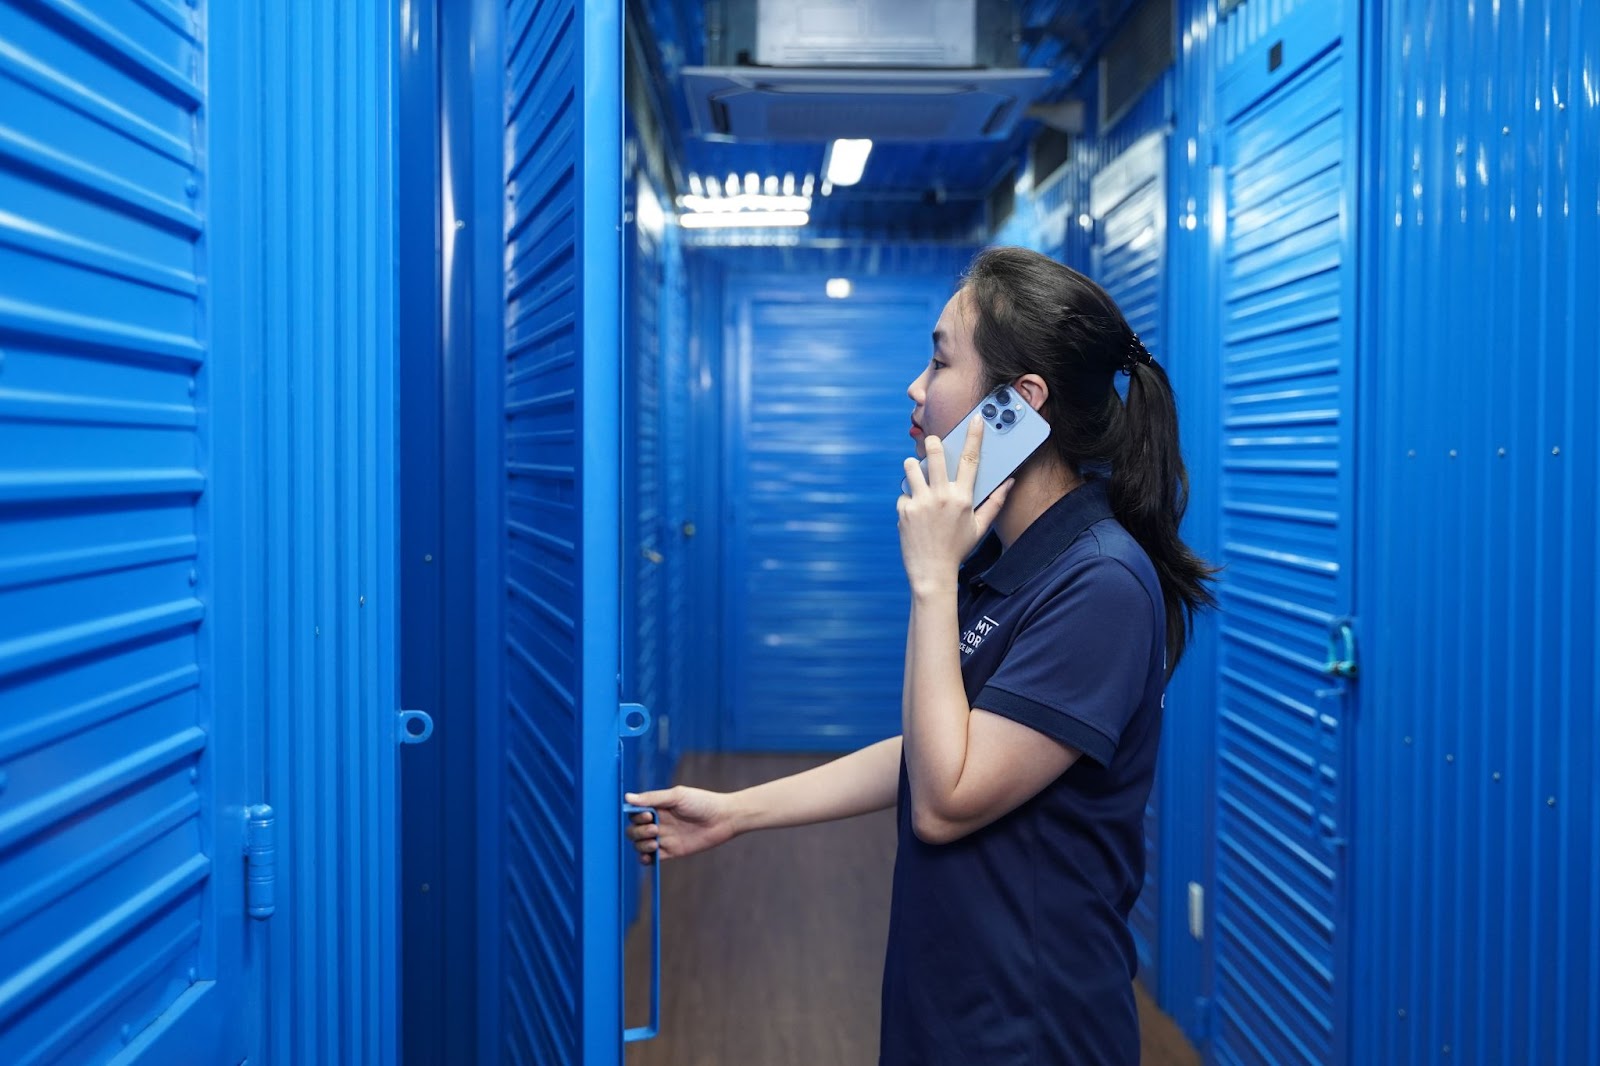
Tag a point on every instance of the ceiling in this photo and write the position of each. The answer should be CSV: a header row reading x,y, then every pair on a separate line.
x,y
928,189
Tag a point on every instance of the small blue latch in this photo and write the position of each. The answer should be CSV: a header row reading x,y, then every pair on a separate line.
x,y
261,862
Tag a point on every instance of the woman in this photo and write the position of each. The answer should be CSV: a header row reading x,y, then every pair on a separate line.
x,y
1032,701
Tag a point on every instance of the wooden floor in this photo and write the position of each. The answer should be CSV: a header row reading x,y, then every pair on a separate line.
x,y
772,950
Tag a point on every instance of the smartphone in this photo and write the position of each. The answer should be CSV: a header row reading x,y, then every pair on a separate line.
x,y
1012,431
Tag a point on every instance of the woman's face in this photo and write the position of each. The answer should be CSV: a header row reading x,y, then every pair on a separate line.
x,y
952,382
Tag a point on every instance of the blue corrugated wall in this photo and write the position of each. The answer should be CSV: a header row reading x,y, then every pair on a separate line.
x,y
121,745
1475,844
223,405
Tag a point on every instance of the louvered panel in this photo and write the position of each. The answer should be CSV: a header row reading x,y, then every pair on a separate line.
x,y
558,850
109,896
1130,207
1286,536
817,596
542,672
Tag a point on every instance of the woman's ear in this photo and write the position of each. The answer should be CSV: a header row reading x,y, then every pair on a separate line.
x,y
1033,390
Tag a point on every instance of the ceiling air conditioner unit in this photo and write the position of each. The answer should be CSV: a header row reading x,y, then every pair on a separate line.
x,y
887,70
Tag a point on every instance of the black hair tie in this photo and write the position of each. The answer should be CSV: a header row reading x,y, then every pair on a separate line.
x,y
1136,354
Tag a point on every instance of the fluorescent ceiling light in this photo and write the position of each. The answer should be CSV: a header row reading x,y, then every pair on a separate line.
x,y
839,288
743,202
742,219
846,161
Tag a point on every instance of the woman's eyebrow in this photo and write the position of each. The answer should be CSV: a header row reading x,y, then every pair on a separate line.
x,y
938,338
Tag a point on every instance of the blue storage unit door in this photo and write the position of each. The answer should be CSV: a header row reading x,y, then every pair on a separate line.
x,y
817,602
122,888
550,962
1128,200
1279,890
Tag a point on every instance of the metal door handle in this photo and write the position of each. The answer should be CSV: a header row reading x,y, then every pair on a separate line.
x,y
651,1031
1341,650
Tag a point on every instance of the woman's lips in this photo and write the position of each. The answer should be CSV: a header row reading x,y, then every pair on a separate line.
x,y
916,431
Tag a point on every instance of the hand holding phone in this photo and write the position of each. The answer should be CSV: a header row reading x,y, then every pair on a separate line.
x,y
1012,432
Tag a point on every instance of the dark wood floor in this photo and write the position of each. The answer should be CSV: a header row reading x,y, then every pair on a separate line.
x,y
772,948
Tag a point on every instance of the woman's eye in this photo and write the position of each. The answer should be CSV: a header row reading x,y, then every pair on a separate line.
x,y
937,364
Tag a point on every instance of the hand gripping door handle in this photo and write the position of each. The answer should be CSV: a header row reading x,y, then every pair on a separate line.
x,y
633,720
649,1032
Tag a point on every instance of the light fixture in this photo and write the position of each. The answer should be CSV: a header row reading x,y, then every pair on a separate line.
x,y
742,219
846,161
743,202
839,288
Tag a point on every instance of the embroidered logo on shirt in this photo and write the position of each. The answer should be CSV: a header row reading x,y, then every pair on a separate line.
x,y
975,636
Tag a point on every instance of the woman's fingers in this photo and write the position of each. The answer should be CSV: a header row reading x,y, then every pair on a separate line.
x,y
937,473
666,797
967,471
914,479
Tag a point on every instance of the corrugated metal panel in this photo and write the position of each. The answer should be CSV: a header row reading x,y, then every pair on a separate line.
x,y
303,126
1478,833
555,912
816,597
234,438
118,754
1248,23
1129,206
542,819
1286,492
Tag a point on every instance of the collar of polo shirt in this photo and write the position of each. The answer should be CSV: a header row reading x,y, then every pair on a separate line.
x,y
1040,543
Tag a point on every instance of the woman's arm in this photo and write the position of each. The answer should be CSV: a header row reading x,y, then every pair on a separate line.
x,y
691,820
859,783
968,767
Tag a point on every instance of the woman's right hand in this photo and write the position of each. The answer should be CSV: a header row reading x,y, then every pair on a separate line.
x,y
691,820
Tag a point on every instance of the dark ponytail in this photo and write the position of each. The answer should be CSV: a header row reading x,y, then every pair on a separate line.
x,y
1035,316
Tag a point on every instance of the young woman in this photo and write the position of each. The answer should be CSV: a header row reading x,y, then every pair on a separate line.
x,y
1043,629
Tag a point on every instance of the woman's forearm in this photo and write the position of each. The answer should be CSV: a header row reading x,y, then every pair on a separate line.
x,y
934,710
859,783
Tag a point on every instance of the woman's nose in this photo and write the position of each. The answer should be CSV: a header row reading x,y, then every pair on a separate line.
x,y
914,390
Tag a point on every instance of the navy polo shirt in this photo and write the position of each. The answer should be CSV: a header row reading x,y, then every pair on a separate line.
x,y
1010,947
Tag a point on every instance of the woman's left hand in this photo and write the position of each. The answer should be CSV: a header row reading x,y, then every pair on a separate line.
x,y
938,527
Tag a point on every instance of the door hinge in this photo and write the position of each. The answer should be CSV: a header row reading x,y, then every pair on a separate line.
x,y
260,860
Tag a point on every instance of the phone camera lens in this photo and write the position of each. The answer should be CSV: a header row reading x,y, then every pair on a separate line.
x,y
1004,396
988,410
1008,416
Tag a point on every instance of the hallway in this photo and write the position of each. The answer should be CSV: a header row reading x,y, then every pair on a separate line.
x,y
773,947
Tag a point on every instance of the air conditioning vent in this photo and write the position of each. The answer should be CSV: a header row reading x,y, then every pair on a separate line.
x,y
1139,53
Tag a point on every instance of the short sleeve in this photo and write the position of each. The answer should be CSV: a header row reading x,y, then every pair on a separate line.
x,y
1079,661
